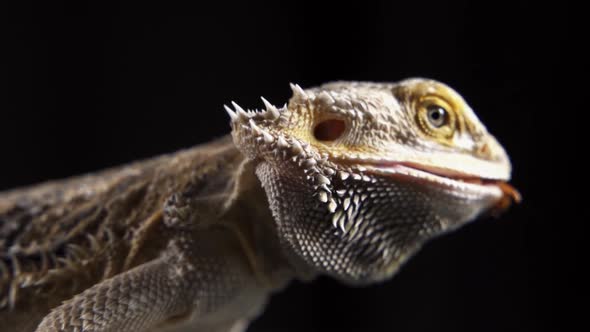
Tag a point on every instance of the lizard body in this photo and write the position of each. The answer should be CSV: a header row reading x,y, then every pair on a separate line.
x,y
347,180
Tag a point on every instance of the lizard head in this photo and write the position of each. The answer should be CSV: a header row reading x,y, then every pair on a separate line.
x,y
359,175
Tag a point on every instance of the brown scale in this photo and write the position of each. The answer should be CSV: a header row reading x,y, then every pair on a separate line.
x,y
61,237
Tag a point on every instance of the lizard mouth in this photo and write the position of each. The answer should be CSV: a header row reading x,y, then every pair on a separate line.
x,y
453,182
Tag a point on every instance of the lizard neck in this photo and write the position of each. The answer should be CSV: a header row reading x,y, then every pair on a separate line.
x,y
249,216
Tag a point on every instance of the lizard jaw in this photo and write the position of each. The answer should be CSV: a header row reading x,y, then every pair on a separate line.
x,y
454,183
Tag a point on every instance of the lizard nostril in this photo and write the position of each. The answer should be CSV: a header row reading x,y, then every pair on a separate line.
x,y
484,151
329,130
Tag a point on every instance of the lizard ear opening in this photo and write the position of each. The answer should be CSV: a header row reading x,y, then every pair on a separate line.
x,y
329,130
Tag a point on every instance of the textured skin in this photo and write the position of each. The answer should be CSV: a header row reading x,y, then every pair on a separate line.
x,y
357,179
349,180
151,249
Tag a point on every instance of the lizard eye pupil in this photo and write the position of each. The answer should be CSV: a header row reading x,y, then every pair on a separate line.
x,y
329,130
437,115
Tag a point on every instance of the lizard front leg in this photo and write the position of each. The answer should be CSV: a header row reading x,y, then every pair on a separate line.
x,y
194,279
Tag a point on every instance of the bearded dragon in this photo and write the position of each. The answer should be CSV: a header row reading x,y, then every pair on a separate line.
x,y
347,180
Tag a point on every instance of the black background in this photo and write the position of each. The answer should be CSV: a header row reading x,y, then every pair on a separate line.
x,y
86,93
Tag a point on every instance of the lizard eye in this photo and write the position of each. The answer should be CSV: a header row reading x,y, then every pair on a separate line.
x,y
329,130
437,115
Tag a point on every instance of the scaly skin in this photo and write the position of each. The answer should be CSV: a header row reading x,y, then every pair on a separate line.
x,y
348,180
358,176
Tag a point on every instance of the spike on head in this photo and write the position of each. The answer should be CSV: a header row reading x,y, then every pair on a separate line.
x,y
298,93
271,111
232,115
